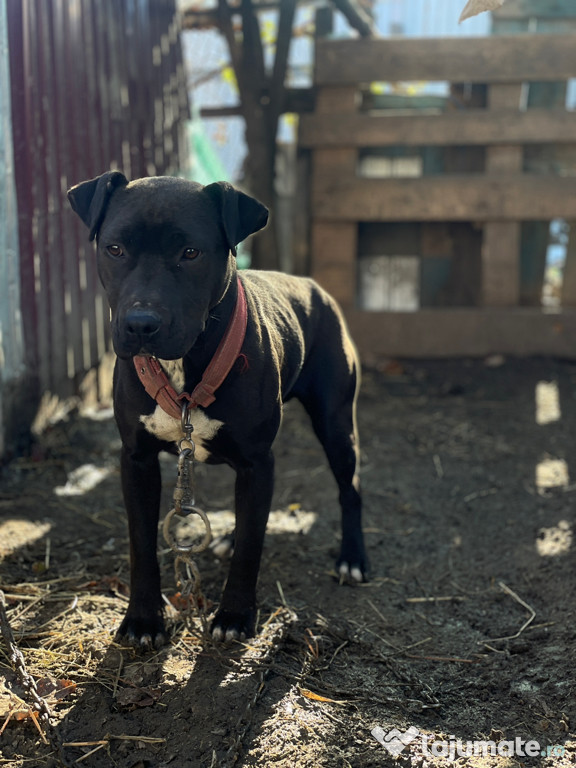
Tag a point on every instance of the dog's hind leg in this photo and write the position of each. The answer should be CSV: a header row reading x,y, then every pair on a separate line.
x,y
331,404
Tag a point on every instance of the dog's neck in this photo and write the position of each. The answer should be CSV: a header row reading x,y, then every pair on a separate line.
x,y
201,353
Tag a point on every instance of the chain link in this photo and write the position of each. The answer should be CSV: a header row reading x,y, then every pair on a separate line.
x,y
189,583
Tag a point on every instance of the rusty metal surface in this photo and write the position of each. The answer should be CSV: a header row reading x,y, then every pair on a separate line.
x,y
95,84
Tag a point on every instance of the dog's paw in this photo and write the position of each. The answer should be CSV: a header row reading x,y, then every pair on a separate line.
x,y
349,573
232,625
223,546
352,565
145,634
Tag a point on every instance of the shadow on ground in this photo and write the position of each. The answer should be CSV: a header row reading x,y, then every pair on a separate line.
x,y
465,631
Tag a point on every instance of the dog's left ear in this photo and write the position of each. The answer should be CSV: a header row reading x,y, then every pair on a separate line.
x,y
241,215
89,199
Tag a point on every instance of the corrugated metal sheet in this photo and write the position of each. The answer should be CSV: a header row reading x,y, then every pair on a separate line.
x,y
11,346
96,84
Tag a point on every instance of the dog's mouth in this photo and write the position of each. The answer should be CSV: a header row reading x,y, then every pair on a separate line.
x,y
165,351
155,331
166,343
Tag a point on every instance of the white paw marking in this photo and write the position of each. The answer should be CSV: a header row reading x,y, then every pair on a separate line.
x,y
348,573
231,635
356,574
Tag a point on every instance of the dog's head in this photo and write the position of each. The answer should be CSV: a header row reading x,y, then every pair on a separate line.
x,y
166,250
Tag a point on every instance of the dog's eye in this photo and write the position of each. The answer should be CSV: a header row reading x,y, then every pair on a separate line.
x,y
190,253
114,250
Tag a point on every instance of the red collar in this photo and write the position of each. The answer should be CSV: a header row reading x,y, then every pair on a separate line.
x,y
158,386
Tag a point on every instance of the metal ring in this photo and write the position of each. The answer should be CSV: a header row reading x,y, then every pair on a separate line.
x,y
185,414
190,548
189,450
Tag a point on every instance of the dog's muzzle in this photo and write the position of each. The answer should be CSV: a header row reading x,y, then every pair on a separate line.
x,y
142,323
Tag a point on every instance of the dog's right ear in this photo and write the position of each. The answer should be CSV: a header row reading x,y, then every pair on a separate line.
x,y
89,199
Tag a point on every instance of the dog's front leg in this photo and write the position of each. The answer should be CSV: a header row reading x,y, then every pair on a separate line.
x,y
143,624
236,616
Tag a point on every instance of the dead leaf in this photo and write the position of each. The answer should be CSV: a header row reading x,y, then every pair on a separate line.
x,y
45,686
24,714
188,602
108,585
64,688
316,697
54,690
474,7
137,697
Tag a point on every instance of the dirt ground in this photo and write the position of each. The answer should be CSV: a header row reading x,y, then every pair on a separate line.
x,y
466,630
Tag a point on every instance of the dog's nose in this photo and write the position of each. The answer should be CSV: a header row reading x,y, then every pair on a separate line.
x,y
143,322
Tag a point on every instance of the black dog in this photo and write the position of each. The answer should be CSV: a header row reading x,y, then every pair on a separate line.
x,y
166,251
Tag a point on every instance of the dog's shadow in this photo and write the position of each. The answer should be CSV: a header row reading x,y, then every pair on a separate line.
x,y
189,704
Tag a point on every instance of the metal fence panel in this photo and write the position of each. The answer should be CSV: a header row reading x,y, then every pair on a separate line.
x,y
11,343
96,84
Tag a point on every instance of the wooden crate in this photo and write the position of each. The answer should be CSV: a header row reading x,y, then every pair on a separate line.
x,y
497,200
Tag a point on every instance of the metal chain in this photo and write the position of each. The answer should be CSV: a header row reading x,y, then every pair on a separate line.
x,y
184,505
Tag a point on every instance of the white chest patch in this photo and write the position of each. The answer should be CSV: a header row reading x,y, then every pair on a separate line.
x,y
165,427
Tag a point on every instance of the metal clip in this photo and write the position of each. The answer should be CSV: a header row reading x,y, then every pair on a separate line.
x,y
187,426
184,491
183,498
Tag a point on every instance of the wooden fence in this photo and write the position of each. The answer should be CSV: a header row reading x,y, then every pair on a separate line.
x,y
491,191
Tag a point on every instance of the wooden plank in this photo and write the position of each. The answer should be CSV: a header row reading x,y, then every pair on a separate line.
x,y
337,99
504,96
542,16
478,127
504,159
436,198
334,247
341,161
474,59
463,332
500,264
501,239
301,217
